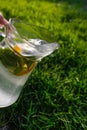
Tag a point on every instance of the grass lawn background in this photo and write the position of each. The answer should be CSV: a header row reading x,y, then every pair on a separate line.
x,y
55,95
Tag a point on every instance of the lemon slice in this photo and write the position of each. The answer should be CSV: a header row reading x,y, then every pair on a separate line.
x,y
17,49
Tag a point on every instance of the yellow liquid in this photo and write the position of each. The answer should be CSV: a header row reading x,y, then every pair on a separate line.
x,y
16,64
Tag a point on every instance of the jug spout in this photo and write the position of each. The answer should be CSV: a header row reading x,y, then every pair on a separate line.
x,y
32,47
39,48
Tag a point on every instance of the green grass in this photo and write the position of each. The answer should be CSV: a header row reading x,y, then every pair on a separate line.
x,y
55,95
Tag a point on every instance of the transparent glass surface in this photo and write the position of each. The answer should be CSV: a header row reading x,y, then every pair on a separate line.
x,y
21,48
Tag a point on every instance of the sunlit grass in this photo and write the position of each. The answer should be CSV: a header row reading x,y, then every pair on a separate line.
x,y
55,96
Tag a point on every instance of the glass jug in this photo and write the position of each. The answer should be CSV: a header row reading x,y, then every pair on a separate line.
x,y
21,48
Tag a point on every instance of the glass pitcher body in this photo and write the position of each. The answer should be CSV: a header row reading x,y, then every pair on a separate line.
x,y
14,71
